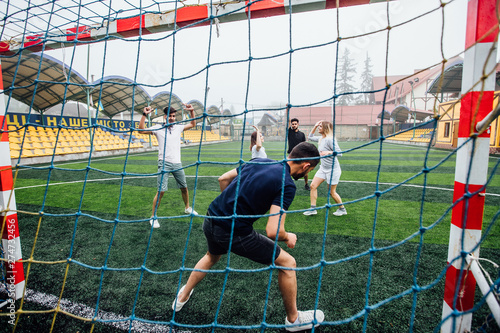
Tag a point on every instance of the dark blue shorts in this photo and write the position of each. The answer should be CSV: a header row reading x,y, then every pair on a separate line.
x,y
253,246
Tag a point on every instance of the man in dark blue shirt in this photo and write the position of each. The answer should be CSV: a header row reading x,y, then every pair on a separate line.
x,y
262,185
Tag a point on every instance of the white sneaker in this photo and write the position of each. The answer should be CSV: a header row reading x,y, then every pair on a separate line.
x,y
305,320
154,223
177,305
340,212
190,210
310,212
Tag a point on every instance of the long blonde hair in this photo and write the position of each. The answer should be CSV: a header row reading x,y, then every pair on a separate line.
x,y
327,129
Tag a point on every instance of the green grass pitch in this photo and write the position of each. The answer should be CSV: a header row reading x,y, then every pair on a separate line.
x,y
97,214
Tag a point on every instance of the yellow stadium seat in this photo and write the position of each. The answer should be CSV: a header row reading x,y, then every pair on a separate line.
x,y
37,145
14,146
39,152
27,153
15,139
14,153
33,138
48,145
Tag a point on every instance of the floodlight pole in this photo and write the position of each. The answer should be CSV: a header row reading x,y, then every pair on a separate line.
x,y
471,170
414,108
88,95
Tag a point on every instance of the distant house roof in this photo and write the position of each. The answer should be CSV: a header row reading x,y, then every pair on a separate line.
x,y
400,85
267,120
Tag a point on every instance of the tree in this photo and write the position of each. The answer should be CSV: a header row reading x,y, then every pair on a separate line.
x,y
367,83
345,78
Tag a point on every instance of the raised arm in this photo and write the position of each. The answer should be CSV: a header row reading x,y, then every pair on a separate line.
x,y
258,140
311,134
142,124
192,123
272,227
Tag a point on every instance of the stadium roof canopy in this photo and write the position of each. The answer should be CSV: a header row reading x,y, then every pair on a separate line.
x,y
40,82
213,111
451,79
43,82
401,114
386,114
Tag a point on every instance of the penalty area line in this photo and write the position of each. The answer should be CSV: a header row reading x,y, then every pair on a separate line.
x,y
342,181
82,310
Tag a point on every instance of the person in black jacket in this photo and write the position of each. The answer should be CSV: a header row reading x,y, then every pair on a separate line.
x,y
294,138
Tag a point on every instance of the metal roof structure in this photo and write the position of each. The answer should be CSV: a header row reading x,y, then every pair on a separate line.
x,y
451,79
213,111
164,99
41,81
386,114
402,113
117,94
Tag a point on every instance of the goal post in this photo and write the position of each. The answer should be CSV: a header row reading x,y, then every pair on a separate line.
x,y
11,243
471,170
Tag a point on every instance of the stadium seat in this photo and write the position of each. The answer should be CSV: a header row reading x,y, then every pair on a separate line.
x,y
15,139
27,153
14,146
39,152
37,145
14,153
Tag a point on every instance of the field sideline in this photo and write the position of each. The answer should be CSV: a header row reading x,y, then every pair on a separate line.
x,y
98,214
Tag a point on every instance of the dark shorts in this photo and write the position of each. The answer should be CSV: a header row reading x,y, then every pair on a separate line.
x,y
253,246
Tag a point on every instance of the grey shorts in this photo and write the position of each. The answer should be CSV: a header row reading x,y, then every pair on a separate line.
x,y
331,178
166,168
253,246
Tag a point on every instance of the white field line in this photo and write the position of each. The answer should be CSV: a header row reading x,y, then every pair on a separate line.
x,y
342,181
82,310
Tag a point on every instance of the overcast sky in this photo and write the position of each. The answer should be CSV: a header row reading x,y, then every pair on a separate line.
x,y
305,77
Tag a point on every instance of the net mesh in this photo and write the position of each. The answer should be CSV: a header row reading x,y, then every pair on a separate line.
x,y
47,26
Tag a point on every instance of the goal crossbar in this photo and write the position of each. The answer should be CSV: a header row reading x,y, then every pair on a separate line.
x,y
186,16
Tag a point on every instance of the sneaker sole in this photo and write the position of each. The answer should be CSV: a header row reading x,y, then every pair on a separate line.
x,y
177,305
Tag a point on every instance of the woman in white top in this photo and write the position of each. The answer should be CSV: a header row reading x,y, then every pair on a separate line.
x,y
327,145
258,151
256,140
